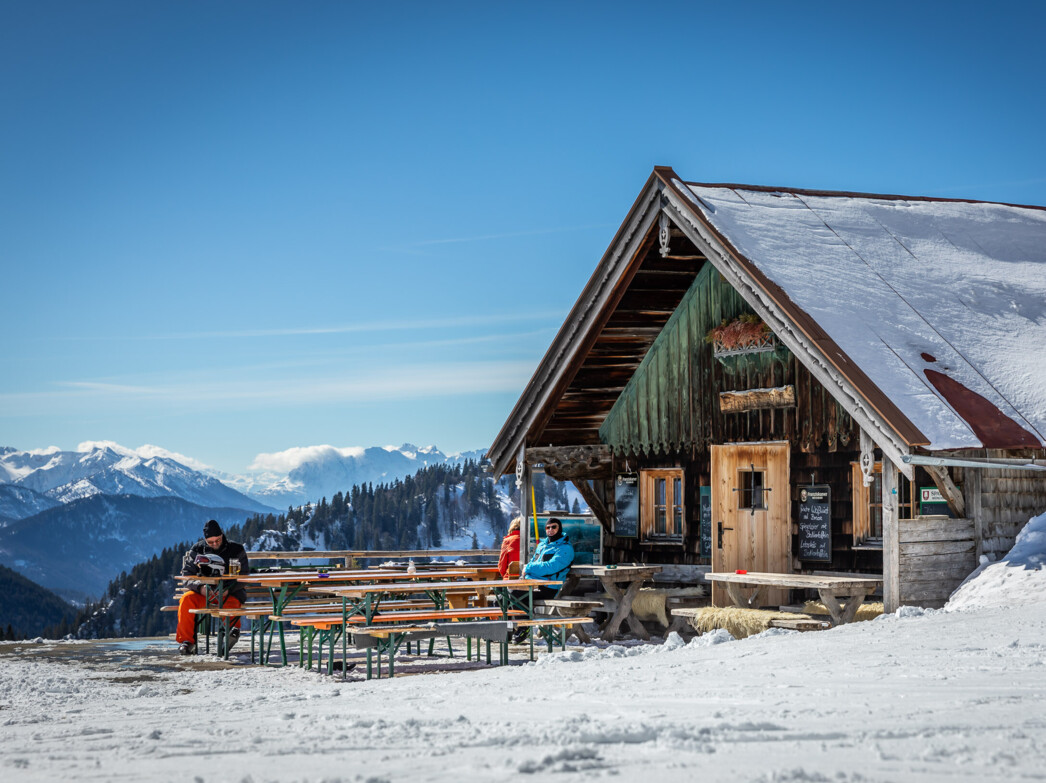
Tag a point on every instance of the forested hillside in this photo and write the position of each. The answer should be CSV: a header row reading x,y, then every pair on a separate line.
x,y
29,610
438,506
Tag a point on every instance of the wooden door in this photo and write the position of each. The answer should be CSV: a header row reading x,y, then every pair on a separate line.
x,y
751,513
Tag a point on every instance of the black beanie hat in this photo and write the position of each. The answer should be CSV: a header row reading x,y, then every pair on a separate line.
x,y
212,529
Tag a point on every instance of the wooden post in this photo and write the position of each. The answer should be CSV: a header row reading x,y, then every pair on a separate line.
x,y
525,510
950,492
891,538
972,490
522,484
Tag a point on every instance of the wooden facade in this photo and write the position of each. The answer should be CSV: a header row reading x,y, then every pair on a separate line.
x,y
634,384
669,415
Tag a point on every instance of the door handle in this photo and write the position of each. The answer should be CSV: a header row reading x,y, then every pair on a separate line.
x,y
719,530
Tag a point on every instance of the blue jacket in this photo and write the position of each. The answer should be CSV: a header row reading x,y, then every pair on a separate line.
x,y
551,559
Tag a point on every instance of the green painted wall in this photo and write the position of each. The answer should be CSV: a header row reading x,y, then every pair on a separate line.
x,y
671,402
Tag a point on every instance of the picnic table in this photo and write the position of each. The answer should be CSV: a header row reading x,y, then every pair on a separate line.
x,y
622,583
842,595
365,599
361,603
285,586
215,600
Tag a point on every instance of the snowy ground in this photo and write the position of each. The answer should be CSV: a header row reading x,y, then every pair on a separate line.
x,y
936,696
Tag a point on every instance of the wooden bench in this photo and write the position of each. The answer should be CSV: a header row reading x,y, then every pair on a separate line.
x,y
573,607
842,595
552,629
801,624
388,639
326,627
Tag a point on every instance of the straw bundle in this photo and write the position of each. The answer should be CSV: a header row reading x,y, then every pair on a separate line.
x,y
739,622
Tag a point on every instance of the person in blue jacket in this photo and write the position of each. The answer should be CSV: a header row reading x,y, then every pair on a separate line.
x,y
552,559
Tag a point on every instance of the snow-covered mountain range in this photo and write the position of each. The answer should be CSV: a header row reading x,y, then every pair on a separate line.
x,y
272,482
300,475
72,520
109,469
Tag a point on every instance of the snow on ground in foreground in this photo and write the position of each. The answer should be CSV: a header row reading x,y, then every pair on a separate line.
x,y
934,696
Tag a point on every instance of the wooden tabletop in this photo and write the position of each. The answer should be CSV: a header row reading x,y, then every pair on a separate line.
x,y
210,580
798,581
361,591
290,577
625,572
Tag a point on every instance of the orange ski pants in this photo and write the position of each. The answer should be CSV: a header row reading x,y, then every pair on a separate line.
x,y
187,620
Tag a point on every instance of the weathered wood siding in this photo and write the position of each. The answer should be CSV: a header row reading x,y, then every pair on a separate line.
x,y
936,555
669,415
671,404
1002,501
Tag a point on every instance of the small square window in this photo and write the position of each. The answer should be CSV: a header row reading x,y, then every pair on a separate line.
x,y
750,490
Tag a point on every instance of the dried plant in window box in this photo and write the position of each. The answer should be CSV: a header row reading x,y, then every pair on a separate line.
x,y
745,334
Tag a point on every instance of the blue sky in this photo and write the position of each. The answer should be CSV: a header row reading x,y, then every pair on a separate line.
x,y
229,228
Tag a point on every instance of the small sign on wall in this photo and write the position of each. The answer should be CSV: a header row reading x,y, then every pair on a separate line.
x,y
932,503
626,505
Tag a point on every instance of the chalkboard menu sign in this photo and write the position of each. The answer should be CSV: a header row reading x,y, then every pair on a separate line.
x,y
704,509
626,505
815,522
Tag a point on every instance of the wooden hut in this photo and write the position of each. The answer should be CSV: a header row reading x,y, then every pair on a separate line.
x,y
798,381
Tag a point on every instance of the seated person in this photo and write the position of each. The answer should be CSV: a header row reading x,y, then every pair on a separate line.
x,y
508,562
551,560
214,543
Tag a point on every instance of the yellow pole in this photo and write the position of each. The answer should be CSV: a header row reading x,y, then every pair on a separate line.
x,y
534,506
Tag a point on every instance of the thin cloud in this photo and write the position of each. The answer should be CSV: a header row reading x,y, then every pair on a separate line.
x,y
405,382
363,328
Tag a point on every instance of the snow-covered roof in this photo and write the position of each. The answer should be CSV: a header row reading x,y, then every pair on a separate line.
x,y
941,303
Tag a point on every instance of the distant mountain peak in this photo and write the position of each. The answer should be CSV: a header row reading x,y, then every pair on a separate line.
x,y
106,468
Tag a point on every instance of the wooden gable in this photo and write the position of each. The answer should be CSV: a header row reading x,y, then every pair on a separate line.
x,y
676,399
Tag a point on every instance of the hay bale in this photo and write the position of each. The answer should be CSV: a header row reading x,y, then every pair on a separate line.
x,y
651,603
741,623
865,612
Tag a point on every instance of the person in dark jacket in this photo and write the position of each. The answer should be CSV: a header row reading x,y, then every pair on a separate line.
x,y
195,563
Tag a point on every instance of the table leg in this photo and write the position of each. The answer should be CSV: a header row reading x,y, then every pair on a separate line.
x,y
841,613
623,612
752,601
344,640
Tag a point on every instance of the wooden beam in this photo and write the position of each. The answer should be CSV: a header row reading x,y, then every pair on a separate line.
x,y
891,539
757,399
972,487
566,463
951,493
594,503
